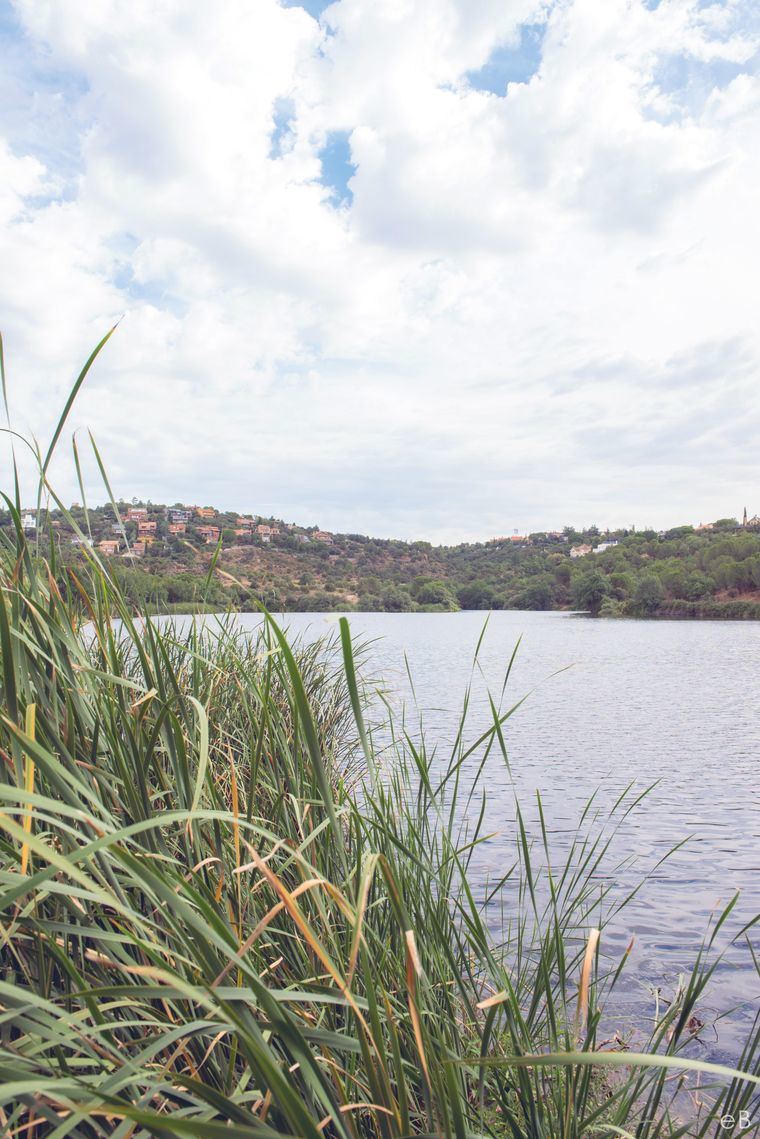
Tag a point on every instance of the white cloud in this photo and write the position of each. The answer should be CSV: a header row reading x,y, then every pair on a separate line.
x,y
503,326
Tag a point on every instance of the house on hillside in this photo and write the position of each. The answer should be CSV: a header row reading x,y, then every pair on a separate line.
x,y
177,527
517,538
322,536
29,523
580,551
604,546
144,527
205,512
137,513
703,526
109,547
210,534
138,548
244,523
266,532
179,514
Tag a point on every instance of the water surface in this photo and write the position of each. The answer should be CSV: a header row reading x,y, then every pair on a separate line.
x,y
611,702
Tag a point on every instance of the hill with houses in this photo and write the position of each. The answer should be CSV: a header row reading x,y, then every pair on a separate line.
x,y
181,558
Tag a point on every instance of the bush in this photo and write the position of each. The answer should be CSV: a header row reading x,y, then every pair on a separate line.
x,y
476,595
437,593
590,590
649,595
538,596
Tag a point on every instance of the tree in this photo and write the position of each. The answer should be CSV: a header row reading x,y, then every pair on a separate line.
x,y
590,590
395,600
475,595
538,596
696,586
621,585
649,594
437,593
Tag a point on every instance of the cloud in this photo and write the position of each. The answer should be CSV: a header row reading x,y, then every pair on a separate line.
x,y
424,268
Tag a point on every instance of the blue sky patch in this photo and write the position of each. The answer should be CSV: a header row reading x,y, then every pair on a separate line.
x,y
511,62
315,8
690,80
40,105
337,167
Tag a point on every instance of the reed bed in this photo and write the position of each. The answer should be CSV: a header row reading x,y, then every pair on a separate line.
x,y
232,904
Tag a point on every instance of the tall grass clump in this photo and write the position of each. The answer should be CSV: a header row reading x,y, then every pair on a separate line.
x,y
232,905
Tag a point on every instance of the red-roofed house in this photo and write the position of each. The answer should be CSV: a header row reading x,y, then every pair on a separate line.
x,y
210,534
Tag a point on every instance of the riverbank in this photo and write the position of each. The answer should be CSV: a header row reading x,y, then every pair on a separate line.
x,y
730,610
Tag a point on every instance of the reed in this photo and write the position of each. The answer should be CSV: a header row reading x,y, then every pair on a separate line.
x,y
237,900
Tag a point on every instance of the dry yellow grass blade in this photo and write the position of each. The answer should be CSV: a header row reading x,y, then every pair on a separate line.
x,y
361,910
364,1106
583,988
414,970
150,695
29,769
411,944
491,1002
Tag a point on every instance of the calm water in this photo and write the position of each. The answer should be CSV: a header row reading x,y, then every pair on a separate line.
x,y
637,701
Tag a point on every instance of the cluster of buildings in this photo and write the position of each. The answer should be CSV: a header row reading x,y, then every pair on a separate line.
x,y
202,521
531,539
208,524
746,524
584,549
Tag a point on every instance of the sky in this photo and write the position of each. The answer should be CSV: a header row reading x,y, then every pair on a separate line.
x,y
441,269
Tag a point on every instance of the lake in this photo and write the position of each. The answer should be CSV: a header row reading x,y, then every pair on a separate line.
x,y
643,701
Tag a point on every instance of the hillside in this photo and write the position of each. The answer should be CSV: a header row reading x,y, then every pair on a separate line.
x,y
163,555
